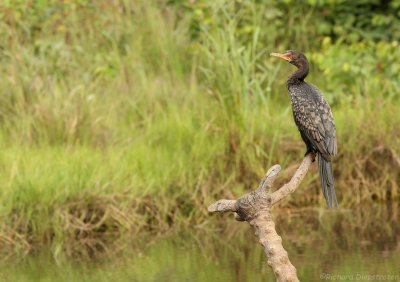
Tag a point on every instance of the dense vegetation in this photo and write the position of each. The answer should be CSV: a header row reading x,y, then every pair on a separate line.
x,y
119,117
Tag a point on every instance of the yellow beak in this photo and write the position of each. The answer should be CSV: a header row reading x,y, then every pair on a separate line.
x,y
284,56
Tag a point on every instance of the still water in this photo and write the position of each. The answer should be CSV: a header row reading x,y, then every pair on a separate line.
x,y
362,244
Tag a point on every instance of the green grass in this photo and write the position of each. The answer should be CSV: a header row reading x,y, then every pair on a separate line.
x,y
116,120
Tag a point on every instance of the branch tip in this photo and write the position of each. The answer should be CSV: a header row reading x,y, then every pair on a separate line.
x,y
223,206
269,178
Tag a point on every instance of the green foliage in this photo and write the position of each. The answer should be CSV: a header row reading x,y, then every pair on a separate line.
x,y
303,21
364,68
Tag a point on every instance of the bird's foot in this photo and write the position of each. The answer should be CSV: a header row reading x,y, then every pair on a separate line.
x,y
312,152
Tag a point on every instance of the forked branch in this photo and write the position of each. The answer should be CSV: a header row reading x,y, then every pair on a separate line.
x,y
255,208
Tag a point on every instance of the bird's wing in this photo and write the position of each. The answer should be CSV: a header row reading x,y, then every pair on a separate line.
x,y
314,117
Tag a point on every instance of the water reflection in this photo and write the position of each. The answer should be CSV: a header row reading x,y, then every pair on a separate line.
x,y
344,244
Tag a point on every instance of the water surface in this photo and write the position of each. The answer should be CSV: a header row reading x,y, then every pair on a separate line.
x,y
344,245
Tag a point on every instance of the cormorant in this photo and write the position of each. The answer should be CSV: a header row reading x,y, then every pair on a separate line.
x,y
314,119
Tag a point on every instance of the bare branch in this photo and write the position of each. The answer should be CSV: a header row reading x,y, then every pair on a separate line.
x,y
290,187
255,208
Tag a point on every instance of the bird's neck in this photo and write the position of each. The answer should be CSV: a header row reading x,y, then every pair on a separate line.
x,y
299,75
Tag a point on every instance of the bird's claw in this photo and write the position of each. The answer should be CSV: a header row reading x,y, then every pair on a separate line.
x,y
313,154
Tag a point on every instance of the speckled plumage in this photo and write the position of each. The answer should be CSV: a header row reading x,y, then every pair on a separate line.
x,y
314,119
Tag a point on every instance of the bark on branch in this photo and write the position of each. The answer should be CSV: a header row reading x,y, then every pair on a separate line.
x,y
255,208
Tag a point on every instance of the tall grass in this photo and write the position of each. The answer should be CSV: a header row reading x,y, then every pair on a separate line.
x,y
116,120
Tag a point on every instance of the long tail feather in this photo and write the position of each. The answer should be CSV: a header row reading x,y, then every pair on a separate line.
x,y
327,182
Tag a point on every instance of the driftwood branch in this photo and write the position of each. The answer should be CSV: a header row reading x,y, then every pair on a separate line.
x,y
255,208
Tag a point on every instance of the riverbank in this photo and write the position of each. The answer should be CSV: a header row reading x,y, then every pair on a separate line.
x,y
362,241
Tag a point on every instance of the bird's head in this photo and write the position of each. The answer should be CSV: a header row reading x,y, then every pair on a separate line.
x,y
294,57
